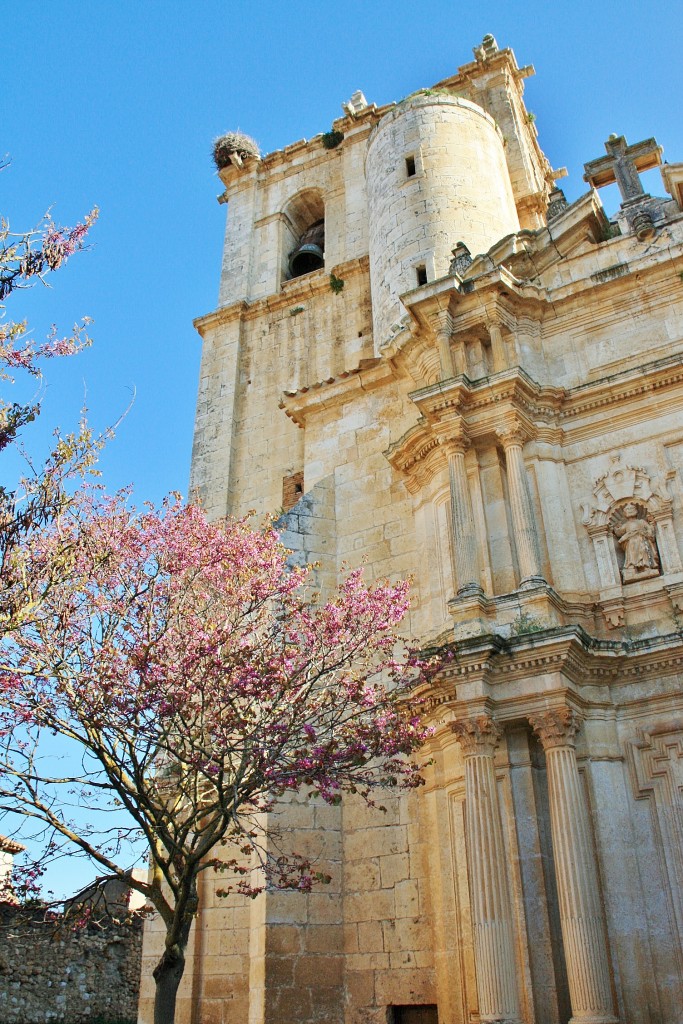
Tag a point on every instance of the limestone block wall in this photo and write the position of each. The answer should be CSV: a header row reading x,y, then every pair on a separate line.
x,y
260,234
244,444
388,941
460,191
217,963
599,324
52,976
216,401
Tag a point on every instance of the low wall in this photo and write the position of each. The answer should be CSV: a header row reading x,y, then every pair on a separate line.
x,y
50,975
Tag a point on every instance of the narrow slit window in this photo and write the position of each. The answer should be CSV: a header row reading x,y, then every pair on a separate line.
x,y
410,167
421,272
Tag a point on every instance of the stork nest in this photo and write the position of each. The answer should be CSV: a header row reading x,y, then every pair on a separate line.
x,y
233,143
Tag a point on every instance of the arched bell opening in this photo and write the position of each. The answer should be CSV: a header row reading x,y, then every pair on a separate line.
x,y
303,249
309,254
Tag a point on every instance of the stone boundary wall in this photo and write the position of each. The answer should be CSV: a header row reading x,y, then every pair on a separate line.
x,y
53,976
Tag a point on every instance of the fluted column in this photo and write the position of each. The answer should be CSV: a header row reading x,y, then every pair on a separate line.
x,y
576,871
464,533
498,352
490,900
521,508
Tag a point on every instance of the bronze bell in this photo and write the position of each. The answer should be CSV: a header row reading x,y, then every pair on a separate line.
x,y
310,252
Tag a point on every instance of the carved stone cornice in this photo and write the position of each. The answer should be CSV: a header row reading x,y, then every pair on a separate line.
x,y
556,727
487,406
592,672
296,290
477,736
306,401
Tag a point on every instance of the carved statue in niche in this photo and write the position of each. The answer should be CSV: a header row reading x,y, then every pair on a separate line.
x,y
636,538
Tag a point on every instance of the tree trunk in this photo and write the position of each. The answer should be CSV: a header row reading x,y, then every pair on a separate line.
x,y
167,975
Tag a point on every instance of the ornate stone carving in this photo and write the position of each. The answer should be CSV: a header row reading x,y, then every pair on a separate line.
x,y
557,203
513,434
479,735
462,260
633,511
556,727
619,483
637,539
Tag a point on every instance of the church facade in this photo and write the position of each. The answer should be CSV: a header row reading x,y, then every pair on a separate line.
x,y
430,361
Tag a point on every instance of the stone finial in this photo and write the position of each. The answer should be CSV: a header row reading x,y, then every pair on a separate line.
x,y
486,48
357,103
557,204
557,727
462,260
479,735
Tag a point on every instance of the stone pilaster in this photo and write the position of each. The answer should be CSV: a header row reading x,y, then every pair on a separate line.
x,y
583,934
490,899
464,531
523,519
498,351
442,325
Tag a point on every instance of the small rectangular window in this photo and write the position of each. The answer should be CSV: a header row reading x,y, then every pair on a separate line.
x,y
292,489
421,272
410,167
421,1014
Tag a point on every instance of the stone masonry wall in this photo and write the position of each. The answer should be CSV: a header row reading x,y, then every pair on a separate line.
x,y
49,976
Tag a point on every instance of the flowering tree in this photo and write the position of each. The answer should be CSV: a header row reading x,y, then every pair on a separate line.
x,y
188,665
42,494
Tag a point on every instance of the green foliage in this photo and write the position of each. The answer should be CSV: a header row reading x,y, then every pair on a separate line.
x,y
297,310
332,139
610,230
428,92
336,284
525,623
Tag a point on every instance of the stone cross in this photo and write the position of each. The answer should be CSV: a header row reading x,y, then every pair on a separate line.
x,y
623,164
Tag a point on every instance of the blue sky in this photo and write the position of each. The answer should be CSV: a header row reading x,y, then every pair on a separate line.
x,y
116,104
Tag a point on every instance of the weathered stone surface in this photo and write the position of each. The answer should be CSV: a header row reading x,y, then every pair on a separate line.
x,y
508,430
53,975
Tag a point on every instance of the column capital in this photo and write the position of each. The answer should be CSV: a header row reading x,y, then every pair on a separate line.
x,y
441,323
479,735
456,443
513,433
453,436
556,727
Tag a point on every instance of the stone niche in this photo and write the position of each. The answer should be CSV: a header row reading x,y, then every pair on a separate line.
x,y
630,522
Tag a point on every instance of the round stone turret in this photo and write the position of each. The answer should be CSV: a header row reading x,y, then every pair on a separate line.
x,y
436,174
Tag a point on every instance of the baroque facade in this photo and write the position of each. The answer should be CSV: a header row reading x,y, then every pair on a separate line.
x,y
433,362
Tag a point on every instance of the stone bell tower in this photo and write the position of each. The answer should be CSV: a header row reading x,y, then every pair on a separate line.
x,y
425,358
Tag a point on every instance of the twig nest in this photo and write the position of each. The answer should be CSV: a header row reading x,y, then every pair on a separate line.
x,y
234,148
